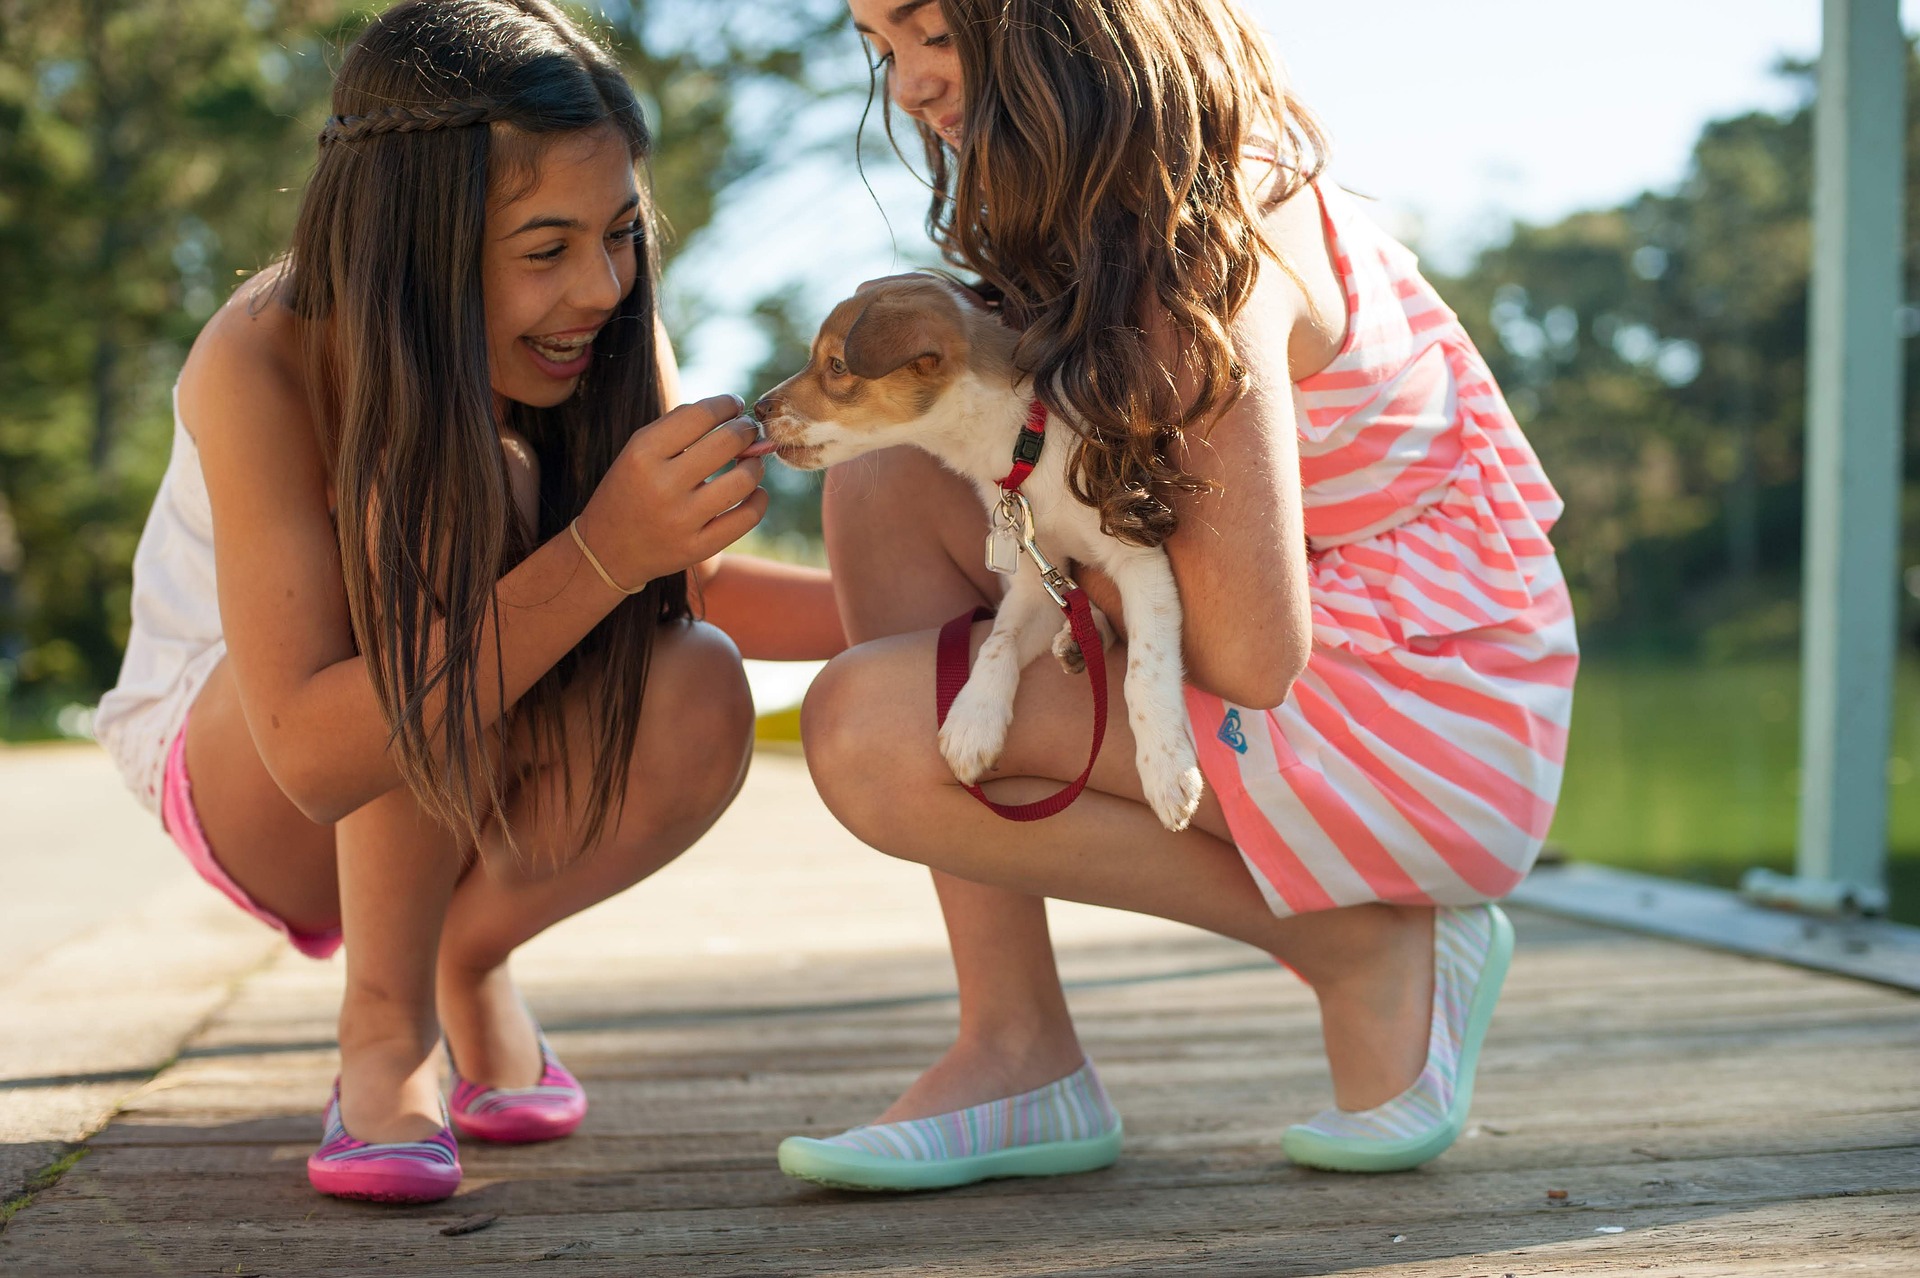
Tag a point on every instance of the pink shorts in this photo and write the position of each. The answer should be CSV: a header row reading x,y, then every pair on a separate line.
x,y
182,822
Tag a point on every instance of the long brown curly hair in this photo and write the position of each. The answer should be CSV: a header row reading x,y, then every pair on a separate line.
x,y
439,106
1103,174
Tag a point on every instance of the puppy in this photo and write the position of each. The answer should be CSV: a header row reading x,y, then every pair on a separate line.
x,y
913,359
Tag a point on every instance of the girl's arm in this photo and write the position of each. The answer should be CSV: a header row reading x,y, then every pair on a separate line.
x,y
1239,553
771,611
303,686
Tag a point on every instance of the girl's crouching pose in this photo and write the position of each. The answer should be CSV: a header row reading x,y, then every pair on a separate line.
x,y
1379,646
412,662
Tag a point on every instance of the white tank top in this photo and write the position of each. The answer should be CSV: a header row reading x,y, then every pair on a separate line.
x,y
176,640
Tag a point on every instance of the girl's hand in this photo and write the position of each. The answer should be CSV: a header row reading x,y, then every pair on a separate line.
x,y
661,508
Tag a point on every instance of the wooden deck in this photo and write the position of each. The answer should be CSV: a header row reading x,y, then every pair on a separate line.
x,y
1703,1114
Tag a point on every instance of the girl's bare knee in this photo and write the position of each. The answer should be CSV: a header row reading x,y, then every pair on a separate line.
x,y
852,748
705,710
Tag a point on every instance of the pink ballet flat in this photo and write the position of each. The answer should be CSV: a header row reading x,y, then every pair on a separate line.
x,y
548,1110
413,1171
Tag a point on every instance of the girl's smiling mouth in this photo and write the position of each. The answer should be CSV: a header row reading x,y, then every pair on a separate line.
x,y
562,355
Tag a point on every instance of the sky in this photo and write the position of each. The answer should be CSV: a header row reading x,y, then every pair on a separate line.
x,y
1458,116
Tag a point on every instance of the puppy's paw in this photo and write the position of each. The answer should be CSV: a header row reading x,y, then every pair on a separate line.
x,y
1170,776
974,735
1066,650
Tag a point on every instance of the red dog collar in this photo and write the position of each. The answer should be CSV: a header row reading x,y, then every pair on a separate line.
x,y
1026,449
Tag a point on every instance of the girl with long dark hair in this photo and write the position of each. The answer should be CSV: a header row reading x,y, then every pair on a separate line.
x,y
413,662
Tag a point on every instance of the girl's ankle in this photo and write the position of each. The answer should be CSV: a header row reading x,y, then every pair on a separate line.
x,y
1026,1049
387,1032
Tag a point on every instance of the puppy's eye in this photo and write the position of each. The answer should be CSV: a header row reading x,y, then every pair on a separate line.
x,y
837,366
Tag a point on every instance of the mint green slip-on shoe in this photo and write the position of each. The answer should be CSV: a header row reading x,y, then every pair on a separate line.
x,y
1065,1127
838,1167
1472,949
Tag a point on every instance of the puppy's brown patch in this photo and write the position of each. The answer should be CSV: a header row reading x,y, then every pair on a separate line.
x,y
885,356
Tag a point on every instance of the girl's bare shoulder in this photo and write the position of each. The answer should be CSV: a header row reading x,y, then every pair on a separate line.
x,y
247,365
1307,300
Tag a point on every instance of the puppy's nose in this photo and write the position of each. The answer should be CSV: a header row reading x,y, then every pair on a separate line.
x,y
765,408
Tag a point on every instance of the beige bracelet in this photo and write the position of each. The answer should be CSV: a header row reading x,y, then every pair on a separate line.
x,y
593,559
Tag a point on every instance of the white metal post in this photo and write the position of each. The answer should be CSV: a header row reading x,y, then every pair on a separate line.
x,y
1853,464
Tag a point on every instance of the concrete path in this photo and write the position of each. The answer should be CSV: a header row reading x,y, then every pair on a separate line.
x,y
113,951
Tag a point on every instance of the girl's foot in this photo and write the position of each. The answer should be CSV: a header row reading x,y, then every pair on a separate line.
x,y
490,1033
412,1171
980,1068
1374,1012
1063,1127
1472,949
497,1094
389,1082
553,1107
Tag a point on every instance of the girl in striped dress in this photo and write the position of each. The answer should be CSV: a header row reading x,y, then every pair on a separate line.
x,y
1379,643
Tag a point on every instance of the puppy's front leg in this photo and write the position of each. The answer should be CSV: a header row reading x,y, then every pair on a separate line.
x,y
976,729
1156,705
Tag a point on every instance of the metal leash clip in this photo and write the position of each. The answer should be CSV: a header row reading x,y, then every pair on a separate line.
x,y
1019,516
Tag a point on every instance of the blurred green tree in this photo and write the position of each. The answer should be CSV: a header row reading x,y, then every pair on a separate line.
x,y
128,134
1655,353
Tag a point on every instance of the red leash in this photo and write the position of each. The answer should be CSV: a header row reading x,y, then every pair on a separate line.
x,y
951,666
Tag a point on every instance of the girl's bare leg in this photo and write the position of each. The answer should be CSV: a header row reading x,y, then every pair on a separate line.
x,y
383,874
904,537
284,861
689,759
397,869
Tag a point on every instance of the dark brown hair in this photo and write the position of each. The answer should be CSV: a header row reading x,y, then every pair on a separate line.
x,y
1103,175
439,106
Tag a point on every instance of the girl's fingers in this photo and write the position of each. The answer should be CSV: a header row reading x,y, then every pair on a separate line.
x,y
728,490
717,448
734,523
688,424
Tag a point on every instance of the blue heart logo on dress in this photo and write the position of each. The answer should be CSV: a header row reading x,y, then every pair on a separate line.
x,y
1231,734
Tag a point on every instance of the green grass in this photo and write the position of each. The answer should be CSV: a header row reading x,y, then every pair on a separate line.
x,y
1691,770
38,1183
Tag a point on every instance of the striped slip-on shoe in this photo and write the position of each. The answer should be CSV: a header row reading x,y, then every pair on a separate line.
x,y
1065,1127
550,1109
1472,949
413,1171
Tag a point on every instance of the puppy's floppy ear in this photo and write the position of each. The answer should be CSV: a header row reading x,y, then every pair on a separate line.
x,y
893,332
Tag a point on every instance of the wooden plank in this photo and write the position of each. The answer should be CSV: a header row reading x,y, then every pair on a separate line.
x,y
689,1170
1285,1216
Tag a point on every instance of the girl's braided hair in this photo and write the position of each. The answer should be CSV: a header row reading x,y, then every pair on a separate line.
x,y
386,267
405,119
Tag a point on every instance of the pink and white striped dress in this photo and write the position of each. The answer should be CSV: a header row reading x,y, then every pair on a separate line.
x,y
1418,759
